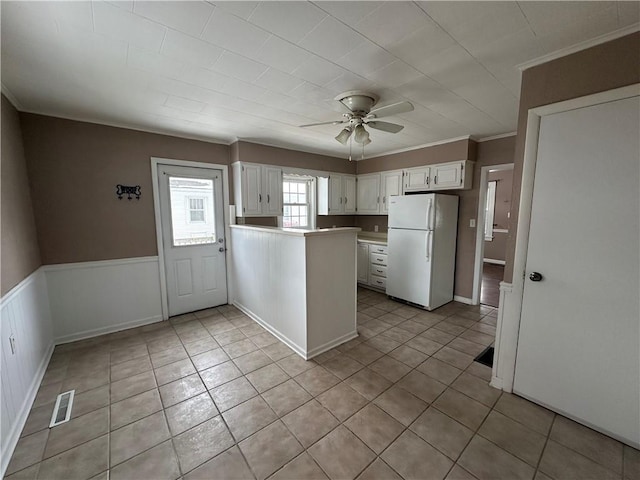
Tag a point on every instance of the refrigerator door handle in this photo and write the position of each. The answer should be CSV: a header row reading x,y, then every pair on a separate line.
x,y
429,227
428,242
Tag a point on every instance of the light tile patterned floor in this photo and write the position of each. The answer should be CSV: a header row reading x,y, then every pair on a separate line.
x,y
212,395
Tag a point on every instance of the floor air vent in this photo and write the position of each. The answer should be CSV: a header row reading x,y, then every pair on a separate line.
x,y
62,410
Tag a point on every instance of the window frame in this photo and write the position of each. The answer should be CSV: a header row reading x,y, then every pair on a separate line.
x,y
310,203
190,210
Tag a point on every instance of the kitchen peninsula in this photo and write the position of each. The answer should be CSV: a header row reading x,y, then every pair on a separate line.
x,y
298,284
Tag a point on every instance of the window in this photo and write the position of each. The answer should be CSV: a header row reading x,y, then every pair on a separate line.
x,y
196,210
489,211
297,202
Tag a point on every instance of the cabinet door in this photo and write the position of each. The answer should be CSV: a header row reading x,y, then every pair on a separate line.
x,y
272,203
447,175
363,263
416,179
252,189
336,199
349,194
391,184
368,194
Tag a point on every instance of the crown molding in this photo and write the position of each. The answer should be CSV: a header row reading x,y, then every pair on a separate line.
x,y
563,52
495,137
11,97
418,147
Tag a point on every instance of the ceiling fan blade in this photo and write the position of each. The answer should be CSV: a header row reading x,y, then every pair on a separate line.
x,y
337,122
385,126
393,109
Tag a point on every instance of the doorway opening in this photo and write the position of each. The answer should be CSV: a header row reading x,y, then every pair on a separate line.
x,y
494,206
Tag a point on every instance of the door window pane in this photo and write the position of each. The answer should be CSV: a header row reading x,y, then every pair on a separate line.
x,y
192,212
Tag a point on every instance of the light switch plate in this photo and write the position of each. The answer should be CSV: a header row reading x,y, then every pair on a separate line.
x,y
472,223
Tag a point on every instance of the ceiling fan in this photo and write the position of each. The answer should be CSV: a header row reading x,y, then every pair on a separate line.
x,y
358,105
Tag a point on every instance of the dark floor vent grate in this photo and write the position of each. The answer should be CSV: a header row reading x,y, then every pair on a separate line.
x,y
62,410
486,357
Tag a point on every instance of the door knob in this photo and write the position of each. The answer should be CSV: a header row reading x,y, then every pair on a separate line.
x,y
535,276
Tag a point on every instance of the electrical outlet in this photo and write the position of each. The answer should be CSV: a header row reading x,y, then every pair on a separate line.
x,y
12,342
375,228
472,223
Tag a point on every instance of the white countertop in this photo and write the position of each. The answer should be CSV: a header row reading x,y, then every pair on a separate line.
x,y
374,238
297,232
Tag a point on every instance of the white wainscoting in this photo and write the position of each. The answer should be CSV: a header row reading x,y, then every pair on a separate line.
x,y
25,316
506,341
94,298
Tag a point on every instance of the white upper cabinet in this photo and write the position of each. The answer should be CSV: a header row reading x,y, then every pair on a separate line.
x,y
349,189
369,194
272,177
337,195
257,190
390,185
416,179
452,175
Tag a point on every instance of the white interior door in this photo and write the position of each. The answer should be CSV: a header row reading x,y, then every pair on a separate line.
x,y
191,207
578,347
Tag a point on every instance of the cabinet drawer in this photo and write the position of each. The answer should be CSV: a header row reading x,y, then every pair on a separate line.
x,y
379,270
379,282
378,248
378,258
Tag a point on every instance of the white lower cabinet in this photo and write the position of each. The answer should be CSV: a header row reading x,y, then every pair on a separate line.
x,y
372,265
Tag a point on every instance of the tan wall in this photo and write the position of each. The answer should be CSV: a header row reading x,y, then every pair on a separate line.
x,y
604,67
458,150
20,251
74,168
256,153
497,248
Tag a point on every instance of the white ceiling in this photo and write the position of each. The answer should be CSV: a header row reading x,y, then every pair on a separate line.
x,y
223,71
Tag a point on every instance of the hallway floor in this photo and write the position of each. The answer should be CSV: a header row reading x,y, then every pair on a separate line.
x,y
492,275
213,395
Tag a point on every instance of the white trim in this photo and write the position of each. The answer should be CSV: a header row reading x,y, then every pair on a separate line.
x,y
500,230
96,332
495,137
494,261
98,263
418,147
314,352
15,291
466,300
155,162
502,371
11,97
563,52
21,418
479,250
510,310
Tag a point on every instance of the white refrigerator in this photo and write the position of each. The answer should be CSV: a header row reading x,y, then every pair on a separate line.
x,y
422,248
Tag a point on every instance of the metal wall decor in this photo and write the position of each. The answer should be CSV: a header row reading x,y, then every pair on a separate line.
x,y
128,190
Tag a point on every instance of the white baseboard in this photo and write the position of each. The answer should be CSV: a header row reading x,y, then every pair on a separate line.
x,y
284,339
293,346
107,329
332,344
494,261
458,298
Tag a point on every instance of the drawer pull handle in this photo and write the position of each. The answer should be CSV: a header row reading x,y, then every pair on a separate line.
x,y
379,271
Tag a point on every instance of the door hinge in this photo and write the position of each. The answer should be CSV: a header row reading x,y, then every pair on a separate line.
x,y
244,209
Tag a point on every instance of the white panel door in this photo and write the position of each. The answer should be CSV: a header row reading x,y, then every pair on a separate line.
x,y
579,344
272,204
446,176
252,189
336,198
416,179
193,237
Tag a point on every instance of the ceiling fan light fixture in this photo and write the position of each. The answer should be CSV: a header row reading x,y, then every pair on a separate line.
x,y
344,135
361,135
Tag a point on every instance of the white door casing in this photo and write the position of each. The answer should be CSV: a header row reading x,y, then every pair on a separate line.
x,y
578,345
195,268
